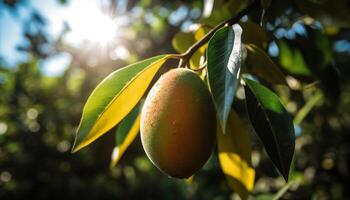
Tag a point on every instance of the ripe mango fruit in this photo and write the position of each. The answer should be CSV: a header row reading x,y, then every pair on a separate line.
x,y
178,123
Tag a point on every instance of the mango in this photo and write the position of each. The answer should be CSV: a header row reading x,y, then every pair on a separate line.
x,y
178,123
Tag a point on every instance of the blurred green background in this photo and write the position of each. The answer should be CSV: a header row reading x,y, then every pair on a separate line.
x,y
53,53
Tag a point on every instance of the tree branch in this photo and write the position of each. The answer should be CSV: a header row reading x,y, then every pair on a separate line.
x,y
188,54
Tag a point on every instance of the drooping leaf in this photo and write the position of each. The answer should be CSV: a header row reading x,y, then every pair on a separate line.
x,y
224,56
261,64
272,123
114,98
253,34
292,60
126,133
235,155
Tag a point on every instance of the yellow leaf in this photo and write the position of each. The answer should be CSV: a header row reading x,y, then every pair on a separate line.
x,y
235,155
118,151
182,41
195,61
199,34
122,103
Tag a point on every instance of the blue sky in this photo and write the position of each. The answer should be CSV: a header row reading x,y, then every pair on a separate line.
x,y
79,14
11,34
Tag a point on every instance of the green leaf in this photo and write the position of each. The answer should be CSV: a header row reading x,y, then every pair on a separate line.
x,y
114,98
235,155
224,63
126,133
272,123
261,64
292,60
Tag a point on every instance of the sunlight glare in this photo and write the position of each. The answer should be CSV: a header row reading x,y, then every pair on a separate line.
x,y
89,23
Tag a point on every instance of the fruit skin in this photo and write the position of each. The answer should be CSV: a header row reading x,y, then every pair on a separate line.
x,y
178,123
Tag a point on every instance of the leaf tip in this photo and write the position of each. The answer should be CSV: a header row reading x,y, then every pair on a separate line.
x,y
112,164
76,148
285,176
285,173
77,145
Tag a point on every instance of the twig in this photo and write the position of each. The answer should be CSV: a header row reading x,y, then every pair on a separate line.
x,y
200,68
188,54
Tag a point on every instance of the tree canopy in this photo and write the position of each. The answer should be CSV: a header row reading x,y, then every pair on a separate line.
x,y
293,60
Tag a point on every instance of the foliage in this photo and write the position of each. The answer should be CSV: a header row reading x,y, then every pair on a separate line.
x,y
287,59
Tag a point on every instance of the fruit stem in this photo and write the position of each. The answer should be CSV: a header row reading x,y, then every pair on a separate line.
x,y
185,57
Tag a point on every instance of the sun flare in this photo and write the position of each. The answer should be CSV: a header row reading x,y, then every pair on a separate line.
x,y
91,24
